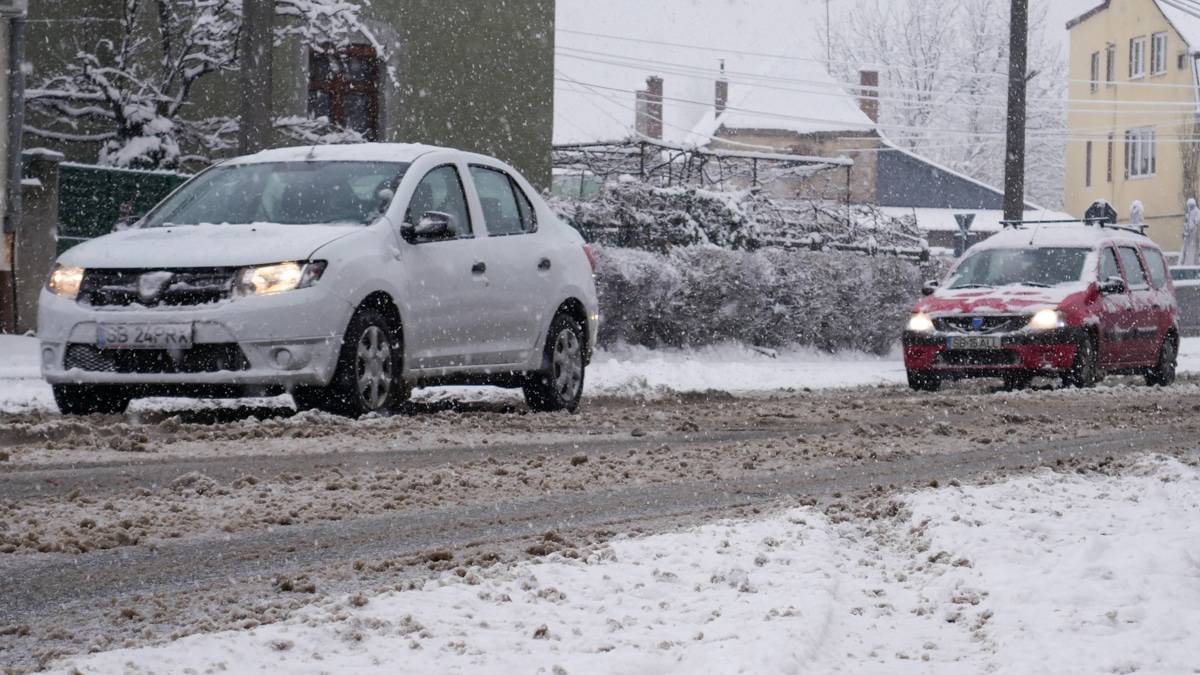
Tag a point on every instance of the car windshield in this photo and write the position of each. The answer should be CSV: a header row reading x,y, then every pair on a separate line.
x,y
292,193
1020,266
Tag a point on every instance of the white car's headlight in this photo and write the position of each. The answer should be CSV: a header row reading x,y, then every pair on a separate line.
x,y
920,323
1047,319
278,278
65,281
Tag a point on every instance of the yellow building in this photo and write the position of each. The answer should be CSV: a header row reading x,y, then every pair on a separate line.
x,y
1132,112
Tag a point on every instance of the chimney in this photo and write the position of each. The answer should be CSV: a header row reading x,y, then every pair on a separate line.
x,y
869,93
649,122
721,98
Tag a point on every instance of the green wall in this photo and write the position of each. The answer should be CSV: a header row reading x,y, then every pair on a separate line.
x,y
474,74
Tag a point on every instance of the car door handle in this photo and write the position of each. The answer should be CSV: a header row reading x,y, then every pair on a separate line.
x,y
479,268
544,264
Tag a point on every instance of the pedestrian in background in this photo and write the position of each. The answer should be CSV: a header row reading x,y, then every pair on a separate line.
x,y
1190,253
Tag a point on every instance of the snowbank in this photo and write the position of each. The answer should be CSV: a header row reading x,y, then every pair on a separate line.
x,y
1050,573
622,371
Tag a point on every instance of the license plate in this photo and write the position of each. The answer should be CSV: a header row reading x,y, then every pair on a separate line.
x,y
973,342
144,336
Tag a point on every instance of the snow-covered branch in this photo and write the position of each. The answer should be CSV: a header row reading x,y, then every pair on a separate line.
x,y
133,92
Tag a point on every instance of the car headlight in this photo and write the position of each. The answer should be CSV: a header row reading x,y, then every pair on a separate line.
x,y
65,281
1047,319
278,278
920,323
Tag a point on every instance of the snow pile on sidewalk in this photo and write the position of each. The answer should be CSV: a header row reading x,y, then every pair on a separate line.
x,y
21,384
1050,573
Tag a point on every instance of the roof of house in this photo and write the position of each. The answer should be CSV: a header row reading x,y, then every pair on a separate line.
x,y
796,96
606,50
909,180
1186,22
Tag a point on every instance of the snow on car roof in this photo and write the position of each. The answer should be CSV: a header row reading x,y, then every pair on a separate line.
x,y
361,152
1070,235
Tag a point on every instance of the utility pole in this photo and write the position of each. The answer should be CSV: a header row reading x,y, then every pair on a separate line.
x,y
1014,157
258,19
828,40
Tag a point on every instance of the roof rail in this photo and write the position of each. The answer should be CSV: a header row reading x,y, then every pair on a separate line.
x,y
1098,222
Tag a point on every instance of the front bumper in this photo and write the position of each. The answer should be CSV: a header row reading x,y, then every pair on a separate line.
x,y
1049,352
285,340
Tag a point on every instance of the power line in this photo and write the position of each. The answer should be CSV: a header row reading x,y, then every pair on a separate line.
x,y
756,80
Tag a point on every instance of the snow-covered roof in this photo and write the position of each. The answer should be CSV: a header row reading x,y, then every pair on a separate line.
x,y
942,220
606,50
1186,23
798,96
363,152
1074,235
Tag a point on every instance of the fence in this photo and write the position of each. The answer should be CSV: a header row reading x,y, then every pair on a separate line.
x,y
92,199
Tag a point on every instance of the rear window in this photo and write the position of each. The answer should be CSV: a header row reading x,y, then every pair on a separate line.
x,y
1185,274
1158,266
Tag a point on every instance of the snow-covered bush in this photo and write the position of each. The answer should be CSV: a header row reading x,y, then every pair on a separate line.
x,y
696,296
633,214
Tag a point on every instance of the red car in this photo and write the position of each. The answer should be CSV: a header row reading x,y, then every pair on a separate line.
x,y
1074,301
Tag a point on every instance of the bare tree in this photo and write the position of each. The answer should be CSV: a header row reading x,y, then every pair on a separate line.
x,y
133,93
943,65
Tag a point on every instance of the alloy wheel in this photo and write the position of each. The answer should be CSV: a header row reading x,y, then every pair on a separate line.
x,y
568,364
374,368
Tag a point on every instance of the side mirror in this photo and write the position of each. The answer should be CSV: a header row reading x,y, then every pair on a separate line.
x,y
434,226
1112,286
125,223
929,287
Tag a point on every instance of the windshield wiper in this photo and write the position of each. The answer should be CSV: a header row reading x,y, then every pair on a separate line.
x,y
1035,284
971,286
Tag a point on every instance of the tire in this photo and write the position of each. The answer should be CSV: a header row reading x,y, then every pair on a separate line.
x,y
924,381
1017,381
1085,371
86,399
368,375
560,385
1163,373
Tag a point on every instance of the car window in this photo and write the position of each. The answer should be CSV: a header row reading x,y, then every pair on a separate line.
x,y
1108,265
1158,266
994,267
1181,274
291,193
503,212
441,190
1135,273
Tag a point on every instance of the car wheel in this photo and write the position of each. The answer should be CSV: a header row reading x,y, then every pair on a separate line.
x,y
1163,374
85,399
367,379
560,386
1017,381
923,381
1085,371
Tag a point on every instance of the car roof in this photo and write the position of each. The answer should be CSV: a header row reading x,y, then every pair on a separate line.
x,y
360,152
1062,235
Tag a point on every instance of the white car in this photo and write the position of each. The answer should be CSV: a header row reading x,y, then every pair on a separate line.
x,y
346,275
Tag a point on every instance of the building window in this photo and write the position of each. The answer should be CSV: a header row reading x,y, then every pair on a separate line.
x,y
1095,81
1110,157
1140,153
1110,64
343,86
1137,58
1158,53
1087,165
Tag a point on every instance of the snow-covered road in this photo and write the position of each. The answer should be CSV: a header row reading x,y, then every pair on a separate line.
x,y
625,371
1049,573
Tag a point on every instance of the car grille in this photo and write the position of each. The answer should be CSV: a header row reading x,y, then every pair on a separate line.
x,y
988,324
989,357
160,288
205,358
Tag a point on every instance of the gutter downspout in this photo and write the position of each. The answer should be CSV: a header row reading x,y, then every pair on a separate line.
x,y
16,127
